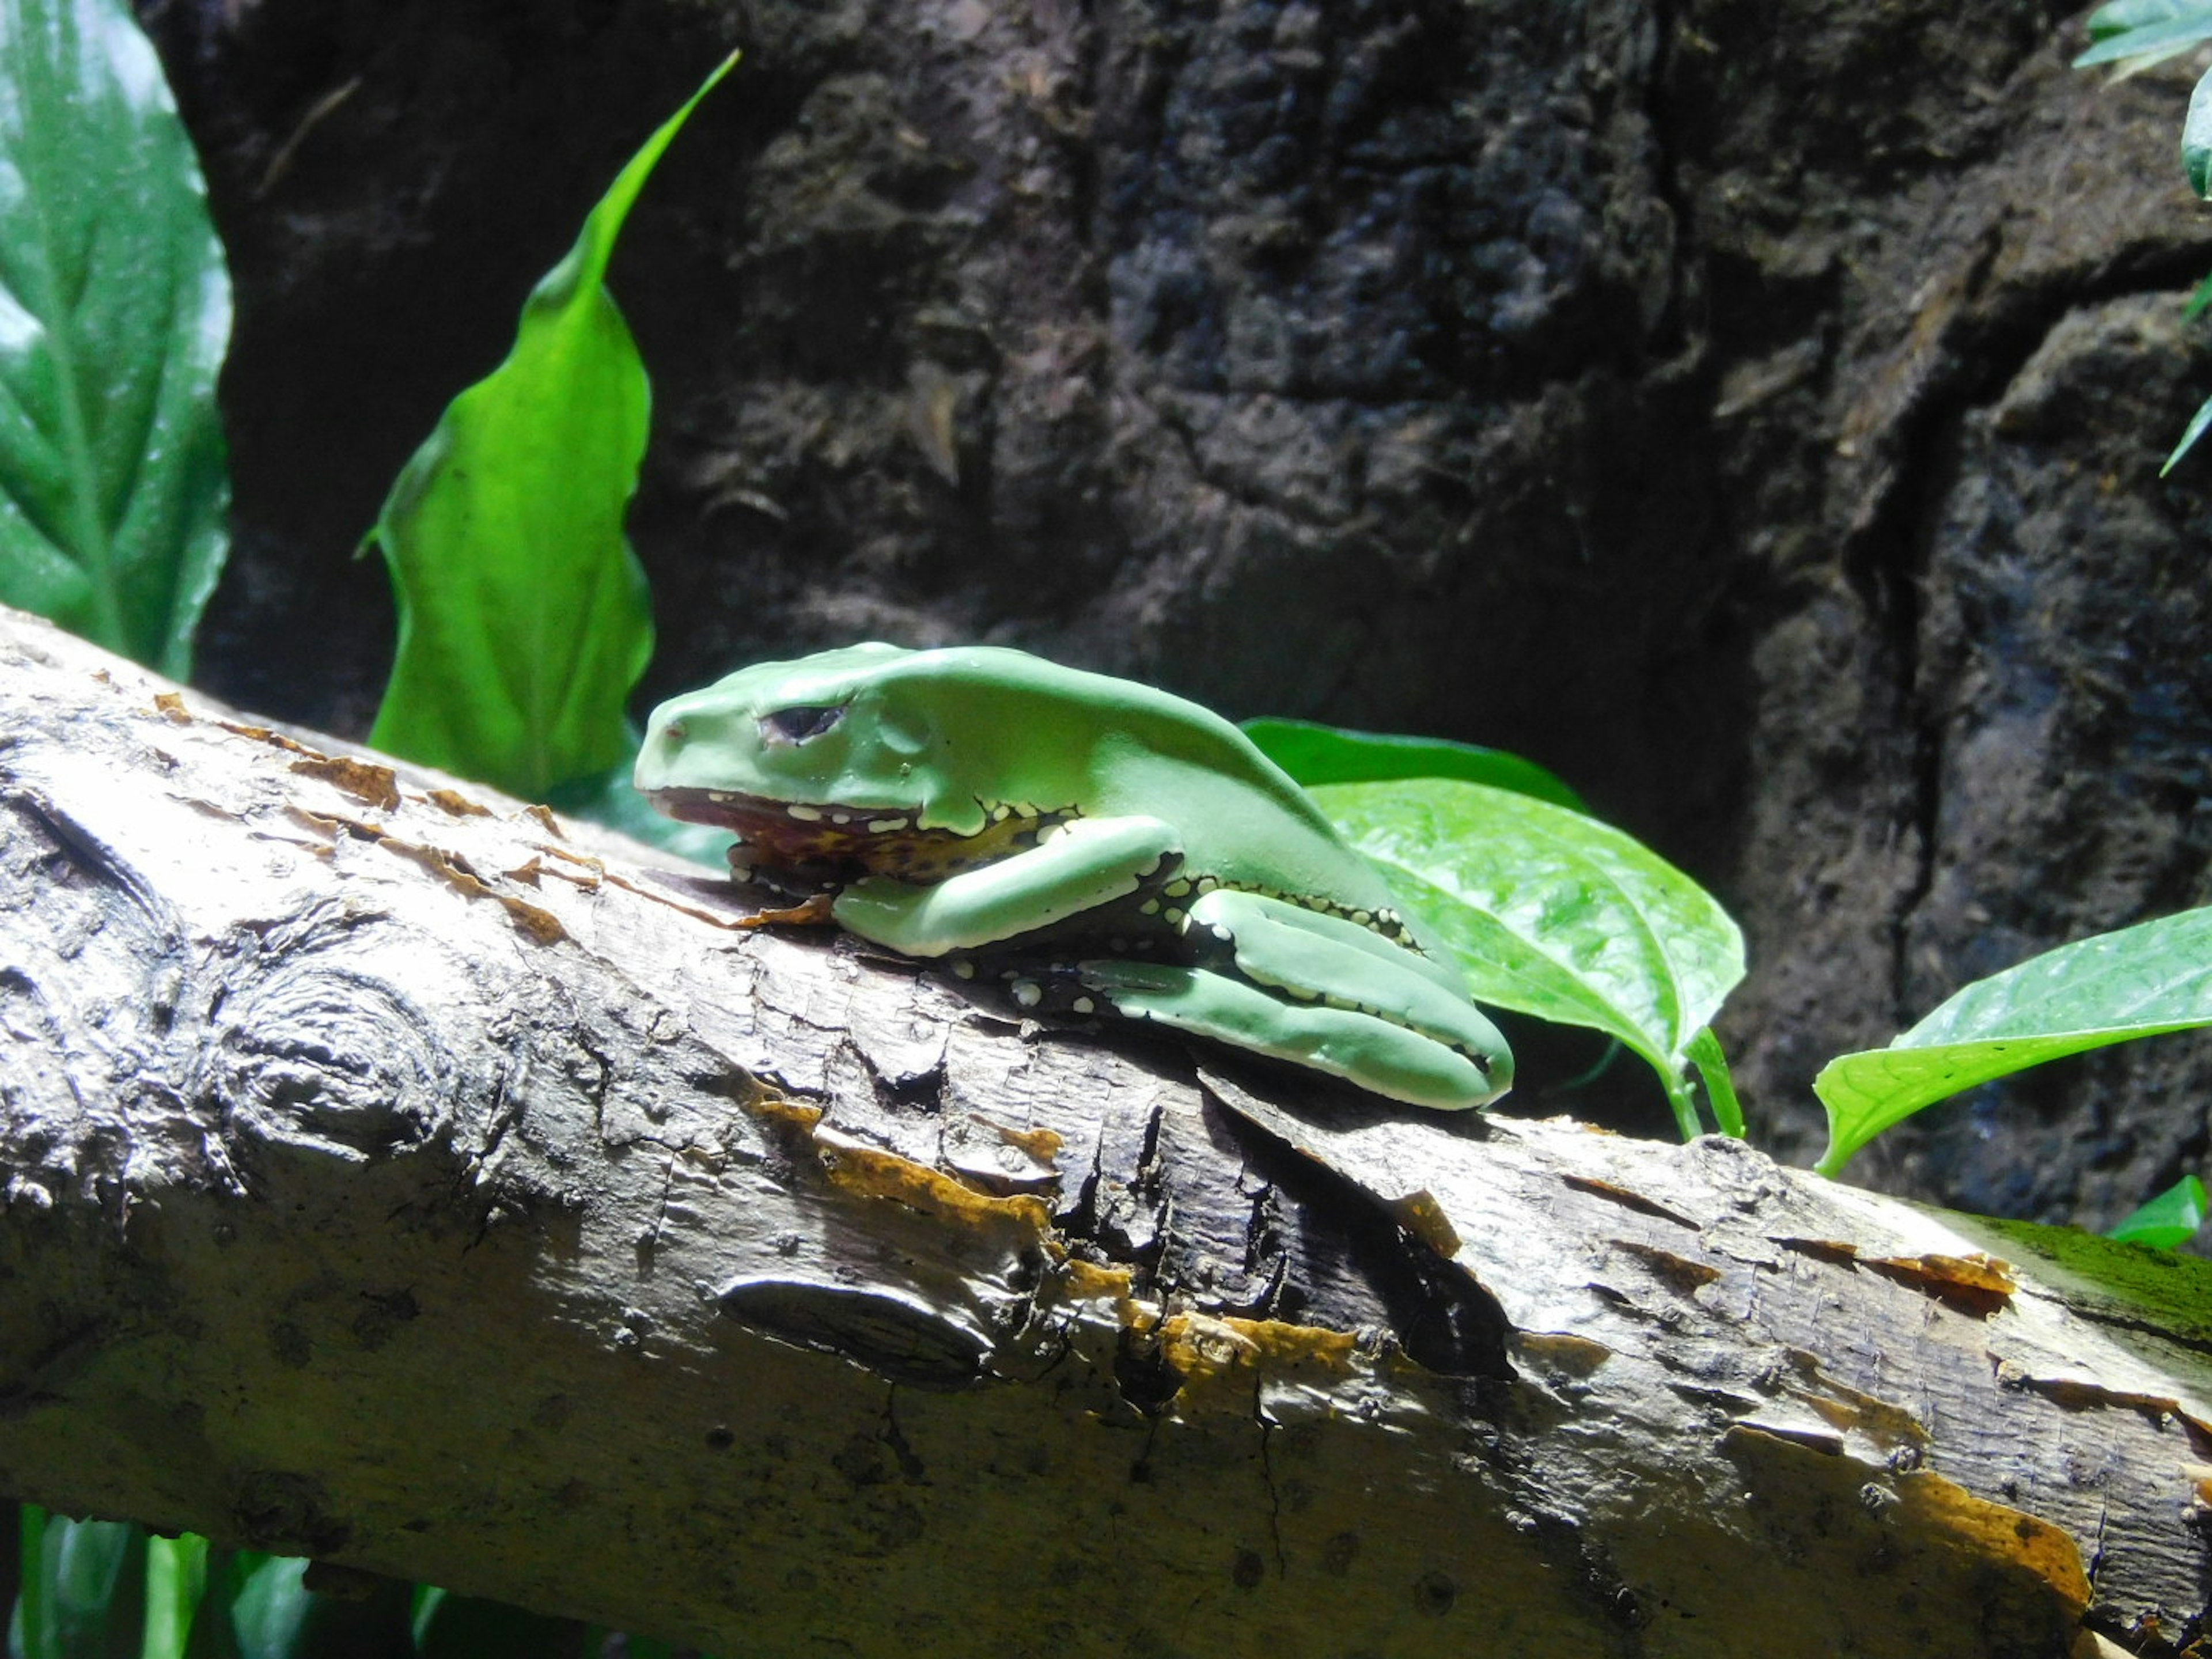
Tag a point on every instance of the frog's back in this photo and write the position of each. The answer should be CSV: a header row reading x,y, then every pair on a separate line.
x,y
1126,749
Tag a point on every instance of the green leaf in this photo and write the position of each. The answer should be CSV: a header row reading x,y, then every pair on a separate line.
x,y
114,313
2121,15
1314,754
1712,1069
2168,1221
2200,301
2139,981
2197,134
1552,912
524,619
83,1587
2181,26
2190,434
176,1585
272,1611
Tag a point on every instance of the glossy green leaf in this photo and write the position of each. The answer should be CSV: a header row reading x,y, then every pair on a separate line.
x,y
114,314
1553,913
1314,754
2168,1221
2157,27
524,619
2139,981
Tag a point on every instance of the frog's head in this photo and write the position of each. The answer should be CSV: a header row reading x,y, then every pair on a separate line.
x,y
821,759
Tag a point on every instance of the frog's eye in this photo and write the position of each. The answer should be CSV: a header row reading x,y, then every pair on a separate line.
x,y
798,724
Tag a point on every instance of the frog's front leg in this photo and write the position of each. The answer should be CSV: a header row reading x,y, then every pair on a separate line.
x,y
1312,988
1075,866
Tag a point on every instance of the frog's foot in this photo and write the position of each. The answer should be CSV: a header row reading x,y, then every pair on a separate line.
x,y
1393,1060
807,913
1301,955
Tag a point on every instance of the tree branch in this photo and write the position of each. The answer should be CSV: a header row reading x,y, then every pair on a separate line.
x,y
399,1175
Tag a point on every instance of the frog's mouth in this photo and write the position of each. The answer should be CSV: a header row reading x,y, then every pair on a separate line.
x,y
789,832
783,834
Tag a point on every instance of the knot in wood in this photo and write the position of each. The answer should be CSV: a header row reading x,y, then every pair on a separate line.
x,y
339,1057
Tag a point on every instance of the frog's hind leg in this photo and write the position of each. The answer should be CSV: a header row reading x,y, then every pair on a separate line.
x,y
1391,1061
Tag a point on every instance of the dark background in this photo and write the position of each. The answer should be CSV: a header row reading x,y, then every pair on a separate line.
x,y
1751,411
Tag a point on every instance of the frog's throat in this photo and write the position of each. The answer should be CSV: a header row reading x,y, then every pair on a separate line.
x,y
881,841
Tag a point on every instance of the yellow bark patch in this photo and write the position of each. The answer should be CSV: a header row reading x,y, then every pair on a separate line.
x,y
871,1172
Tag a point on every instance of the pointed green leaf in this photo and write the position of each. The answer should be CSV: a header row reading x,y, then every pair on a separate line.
x,y
1314,754
2137,982
523,615
2168,1221
1705,1053
2190,434
114,314
1552,912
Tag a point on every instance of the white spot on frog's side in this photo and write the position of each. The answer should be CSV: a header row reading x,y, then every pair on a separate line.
x,y
1084,1005
718,798
1149,907
1028,993
804,814
963,970
1175,918
1177,890
885,826
841,818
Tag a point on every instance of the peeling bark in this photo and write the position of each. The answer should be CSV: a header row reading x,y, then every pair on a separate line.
x,y
399,1175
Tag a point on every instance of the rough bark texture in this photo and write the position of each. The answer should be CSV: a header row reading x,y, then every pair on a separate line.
x,y
1751,409
393,1177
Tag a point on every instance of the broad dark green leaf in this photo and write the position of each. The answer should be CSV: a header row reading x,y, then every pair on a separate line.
x,y
114,315
1552,912
2168,1221
524,619
2139,981
1314,754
